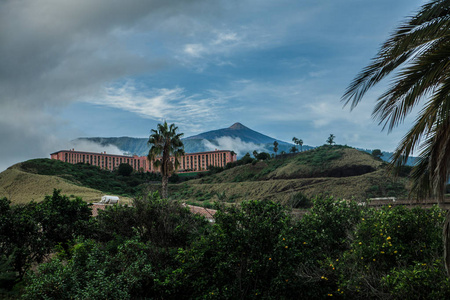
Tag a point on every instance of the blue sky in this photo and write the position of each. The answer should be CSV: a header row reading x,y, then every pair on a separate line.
x,y
118,68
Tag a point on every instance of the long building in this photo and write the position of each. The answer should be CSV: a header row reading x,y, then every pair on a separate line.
x,y
190,162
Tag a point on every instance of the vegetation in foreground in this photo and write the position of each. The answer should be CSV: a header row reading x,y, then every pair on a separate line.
x,y
255,250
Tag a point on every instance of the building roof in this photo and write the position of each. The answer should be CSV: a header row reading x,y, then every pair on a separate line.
x,y
94,153
128,156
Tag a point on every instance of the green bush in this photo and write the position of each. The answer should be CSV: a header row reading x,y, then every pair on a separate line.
x,y
247,255
93,273
125,169
389,239
418,281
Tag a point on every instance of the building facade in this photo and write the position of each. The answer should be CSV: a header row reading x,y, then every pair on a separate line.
x,y
190,162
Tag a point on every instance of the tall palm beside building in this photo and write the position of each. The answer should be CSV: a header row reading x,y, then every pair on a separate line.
x,y
165,142
419,53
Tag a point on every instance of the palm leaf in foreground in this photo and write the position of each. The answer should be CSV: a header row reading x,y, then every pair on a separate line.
x,y
419,53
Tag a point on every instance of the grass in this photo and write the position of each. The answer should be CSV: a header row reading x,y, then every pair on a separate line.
x,y
282,190
340,171
90,176
21,187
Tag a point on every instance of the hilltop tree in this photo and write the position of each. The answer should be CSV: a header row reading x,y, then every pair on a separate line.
x,y
330,139
293,149
418,51
255,154
298,142
275,147
377,154
166,142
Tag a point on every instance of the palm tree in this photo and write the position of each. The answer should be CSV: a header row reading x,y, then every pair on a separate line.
x,y
300,142
293,149
166,142
418,52
275,147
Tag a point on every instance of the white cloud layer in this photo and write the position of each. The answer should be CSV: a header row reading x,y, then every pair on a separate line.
x,y
172,105
87,146
235,144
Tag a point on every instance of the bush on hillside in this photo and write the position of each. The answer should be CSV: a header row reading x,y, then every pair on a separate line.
x,y
124,169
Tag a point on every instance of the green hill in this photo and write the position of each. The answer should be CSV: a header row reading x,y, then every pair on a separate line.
x,y
33,179
340,171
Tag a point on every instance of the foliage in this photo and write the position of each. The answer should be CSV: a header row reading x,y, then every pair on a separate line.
x,y
247,255
275,147
61,218
377,154
330,140
22,241
327,226
124,272
263,156
165,143
91,176
299,200
417,53
28,233
418,281
321,156
124,169
384,243
255,250
297,142
7,274
164,223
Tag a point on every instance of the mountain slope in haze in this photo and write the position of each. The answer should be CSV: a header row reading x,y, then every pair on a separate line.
x,y
237,130
237,137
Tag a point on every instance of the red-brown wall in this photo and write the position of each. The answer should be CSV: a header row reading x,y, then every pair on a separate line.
x,y
190,162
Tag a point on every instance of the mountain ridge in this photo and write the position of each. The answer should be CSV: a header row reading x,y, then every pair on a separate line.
x,y
237,130
237,135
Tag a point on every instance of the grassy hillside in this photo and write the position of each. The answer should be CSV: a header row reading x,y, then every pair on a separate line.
x,y
340,171
33,179
22,187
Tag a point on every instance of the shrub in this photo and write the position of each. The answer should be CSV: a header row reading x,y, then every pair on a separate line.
x,y
299,200
384,242
418,281
93,273
125,169
247,255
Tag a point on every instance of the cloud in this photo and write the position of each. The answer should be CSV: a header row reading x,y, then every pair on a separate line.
x,y
88,146
55,52
234,144
172,105
195,50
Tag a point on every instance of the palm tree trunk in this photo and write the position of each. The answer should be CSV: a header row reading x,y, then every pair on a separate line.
x,y
446,240
165,181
